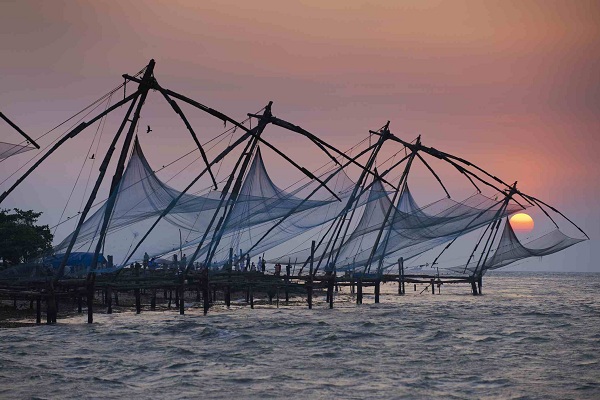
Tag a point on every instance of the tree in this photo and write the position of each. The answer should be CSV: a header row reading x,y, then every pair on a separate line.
x,y
21,240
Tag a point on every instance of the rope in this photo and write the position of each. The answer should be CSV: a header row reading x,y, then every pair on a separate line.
x,y
100,100
81,170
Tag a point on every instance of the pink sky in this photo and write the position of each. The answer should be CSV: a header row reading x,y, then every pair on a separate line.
x,y
512,86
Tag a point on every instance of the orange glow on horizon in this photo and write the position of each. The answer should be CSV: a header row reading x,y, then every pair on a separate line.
x,y
521,222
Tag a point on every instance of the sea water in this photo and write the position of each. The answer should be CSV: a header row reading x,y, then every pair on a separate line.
x,y
531,335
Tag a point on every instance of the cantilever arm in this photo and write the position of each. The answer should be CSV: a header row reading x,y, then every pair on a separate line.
x,y
302,169
294,128
8,121
526,197
451,159
71,134
535,200
433,172
189,127
462,171
194,103
447,156
316,140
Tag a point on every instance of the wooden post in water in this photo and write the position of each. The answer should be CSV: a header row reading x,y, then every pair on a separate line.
x,y
479,283
109,300
48,312
432,285
205,290
138,301
277,297
38,310
228,296
181,297
51,305
136,291
377,290
330,286
401,288
153,300
176,297
288,270
227,293
90,297
359,291
310,277
473,286
251,296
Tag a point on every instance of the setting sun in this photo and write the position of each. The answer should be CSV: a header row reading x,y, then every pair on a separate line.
x,y
521,222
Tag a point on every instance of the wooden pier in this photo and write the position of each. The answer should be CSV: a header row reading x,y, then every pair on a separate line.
x,y
164,290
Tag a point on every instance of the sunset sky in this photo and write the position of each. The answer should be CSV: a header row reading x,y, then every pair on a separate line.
x,y
512,86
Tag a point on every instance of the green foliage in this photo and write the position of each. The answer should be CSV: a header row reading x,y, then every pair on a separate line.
x,y
21,240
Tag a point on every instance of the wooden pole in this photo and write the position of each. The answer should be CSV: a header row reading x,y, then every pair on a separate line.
x,y
479,283
401,288
90,298
38,310
310,276
228,296
359,292
288,270
71,134
181,297
205,290
377,290
109,300
136,291
138,301
331,284
51,305
432,286
227,293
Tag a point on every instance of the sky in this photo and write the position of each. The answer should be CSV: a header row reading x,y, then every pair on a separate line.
x,y
512,86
